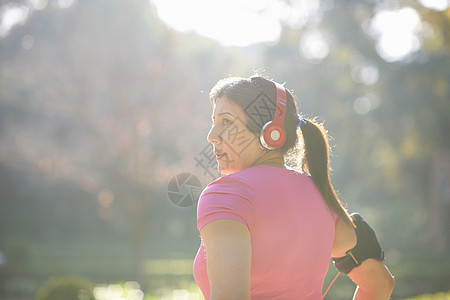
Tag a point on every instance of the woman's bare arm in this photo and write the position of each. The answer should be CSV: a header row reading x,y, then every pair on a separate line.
x,y
228,255
372,277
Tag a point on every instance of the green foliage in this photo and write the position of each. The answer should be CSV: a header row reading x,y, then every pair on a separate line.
x,y
437,296
418,274
66,288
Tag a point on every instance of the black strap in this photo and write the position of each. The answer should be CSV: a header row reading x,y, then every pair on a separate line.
x,y
367,246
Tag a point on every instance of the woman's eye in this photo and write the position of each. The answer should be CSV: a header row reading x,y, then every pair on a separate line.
x,y
226,121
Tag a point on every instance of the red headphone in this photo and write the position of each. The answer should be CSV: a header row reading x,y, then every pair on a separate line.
x,y
273,134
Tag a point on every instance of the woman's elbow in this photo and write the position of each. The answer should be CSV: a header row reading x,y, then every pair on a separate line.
x,y
390,282
386,284
374,278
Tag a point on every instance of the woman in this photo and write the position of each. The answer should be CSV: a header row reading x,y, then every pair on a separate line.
x,y
268,231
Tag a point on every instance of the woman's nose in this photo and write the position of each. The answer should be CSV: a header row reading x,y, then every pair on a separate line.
x,y
214,136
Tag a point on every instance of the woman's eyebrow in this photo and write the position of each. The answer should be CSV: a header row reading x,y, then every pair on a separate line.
x,y
222,113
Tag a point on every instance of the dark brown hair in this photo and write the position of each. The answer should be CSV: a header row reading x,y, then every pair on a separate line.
x,y
257,97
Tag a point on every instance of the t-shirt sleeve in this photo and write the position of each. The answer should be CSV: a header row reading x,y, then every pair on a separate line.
x,y
225,198
336,218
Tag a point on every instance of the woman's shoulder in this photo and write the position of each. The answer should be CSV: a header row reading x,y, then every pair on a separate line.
x,y
251,178
228,184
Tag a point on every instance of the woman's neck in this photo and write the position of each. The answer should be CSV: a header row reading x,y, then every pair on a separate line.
x,y
270,158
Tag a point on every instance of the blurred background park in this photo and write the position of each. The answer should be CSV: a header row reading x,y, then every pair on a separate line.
x,y
104,102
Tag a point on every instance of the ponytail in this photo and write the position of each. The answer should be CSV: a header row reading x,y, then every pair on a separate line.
x,y
316,163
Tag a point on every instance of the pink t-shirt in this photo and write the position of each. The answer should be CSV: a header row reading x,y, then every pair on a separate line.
x,y
292,230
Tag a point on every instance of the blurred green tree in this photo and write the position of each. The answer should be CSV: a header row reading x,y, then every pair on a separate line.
x,y
99,94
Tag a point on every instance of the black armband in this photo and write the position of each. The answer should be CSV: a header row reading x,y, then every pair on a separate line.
x,y
367,246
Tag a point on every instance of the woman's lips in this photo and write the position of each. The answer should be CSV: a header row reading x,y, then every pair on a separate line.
x,y
219,155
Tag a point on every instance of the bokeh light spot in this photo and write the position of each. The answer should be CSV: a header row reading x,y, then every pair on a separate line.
x,y
396,33
362,105
105,198
27,42
12,16
45,164
366,74
314,47
39,4
88,184
436,4
143,126
232,23
65,3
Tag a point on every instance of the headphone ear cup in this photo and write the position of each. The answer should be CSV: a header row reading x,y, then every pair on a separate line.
x,y
272,136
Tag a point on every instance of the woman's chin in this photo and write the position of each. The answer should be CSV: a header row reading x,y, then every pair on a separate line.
x,y
227,170
224,170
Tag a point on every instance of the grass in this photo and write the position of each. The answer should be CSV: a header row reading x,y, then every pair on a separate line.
x,y
437,296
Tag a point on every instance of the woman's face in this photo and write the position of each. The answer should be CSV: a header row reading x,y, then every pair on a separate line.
x,y
235,146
